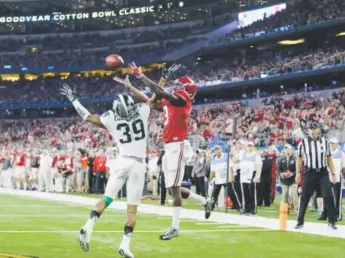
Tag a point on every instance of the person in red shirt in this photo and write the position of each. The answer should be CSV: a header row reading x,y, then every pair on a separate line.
x,y
60,167
20,172
69,173
176,107
99,166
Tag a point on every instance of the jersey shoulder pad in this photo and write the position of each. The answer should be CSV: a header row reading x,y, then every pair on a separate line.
x,y
144,109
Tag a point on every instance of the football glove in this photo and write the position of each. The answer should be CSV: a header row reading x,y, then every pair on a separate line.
x,y
135,70
68,92
124,82
167,72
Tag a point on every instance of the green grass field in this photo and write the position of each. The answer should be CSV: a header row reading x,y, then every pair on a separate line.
x,y
49,229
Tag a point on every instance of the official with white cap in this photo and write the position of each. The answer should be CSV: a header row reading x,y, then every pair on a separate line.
x,y
250,166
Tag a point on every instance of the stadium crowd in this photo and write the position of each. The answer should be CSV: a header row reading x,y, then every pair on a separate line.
x,y
100,39
90,49
275,120
231,70
300,14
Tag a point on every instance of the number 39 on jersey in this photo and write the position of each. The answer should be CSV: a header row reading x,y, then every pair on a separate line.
x,y
131,133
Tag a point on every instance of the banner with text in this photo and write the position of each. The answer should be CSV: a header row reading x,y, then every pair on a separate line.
x,y
85,15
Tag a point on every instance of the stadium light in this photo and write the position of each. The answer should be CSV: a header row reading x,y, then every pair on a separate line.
x,y
181,4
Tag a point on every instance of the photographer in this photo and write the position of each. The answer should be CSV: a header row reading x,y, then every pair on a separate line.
x,y
286,167
199,172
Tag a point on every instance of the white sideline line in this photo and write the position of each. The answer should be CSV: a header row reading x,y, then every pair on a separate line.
x,y
256,222
82,216
41,206
121,231
210,223
233,226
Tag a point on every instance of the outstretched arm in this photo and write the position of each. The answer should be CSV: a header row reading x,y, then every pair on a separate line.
x,y
139,94
82,111
155,88
95,120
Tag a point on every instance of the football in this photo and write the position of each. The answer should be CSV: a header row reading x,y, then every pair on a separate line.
x,y
114,60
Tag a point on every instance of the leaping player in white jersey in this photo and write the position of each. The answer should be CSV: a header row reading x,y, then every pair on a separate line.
x,y
127,122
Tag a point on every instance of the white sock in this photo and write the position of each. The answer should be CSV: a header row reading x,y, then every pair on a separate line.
x,y
126,239
176,217
198,198
91,223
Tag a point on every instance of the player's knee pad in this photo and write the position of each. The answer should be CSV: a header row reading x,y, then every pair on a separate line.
x,y
107,201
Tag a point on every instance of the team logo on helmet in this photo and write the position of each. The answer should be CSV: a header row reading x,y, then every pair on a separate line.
x,y
124,105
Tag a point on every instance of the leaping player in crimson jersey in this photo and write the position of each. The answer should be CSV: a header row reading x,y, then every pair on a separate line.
x,y
176,107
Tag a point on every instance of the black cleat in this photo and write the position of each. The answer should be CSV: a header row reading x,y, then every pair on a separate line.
x,y
299,226
169,234
332,226
84,245
208,208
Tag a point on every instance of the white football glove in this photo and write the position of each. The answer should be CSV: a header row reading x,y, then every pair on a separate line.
x,y
167,72
124,82
68,92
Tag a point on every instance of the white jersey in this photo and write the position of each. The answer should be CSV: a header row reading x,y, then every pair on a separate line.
x,y
248,160
129,133
220,167
338,163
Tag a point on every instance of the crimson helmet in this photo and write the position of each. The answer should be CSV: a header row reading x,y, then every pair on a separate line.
x,y
192,89
187,84
182,82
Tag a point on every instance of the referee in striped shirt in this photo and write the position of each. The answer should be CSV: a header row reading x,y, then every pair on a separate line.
x,y
316,153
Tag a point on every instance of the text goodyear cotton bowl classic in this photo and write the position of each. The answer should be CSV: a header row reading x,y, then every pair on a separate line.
x,y
80,15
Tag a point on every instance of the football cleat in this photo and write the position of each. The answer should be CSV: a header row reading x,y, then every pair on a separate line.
x,y
84,240
299,225
125,252
332,226
169,234
208,208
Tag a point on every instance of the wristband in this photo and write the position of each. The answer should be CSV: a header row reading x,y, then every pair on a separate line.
x,y
82,111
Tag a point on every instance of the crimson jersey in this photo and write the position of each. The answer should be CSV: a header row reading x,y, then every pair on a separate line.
x,y
176,119
20,160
